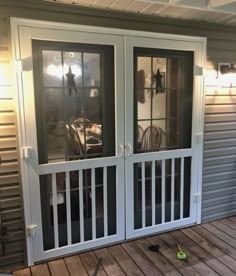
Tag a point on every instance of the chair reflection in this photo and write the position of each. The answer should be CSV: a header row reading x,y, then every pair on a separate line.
x,y
82,142
152,138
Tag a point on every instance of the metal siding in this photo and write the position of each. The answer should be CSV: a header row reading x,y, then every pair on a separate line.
x,y
10,188
219,166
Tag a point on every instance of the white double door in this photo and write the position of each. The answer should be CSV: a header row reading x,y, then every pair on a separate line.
x,y
138,187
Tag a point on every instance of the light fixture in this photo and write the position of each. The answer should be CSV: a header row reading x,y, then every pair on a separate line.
x,y
226,68
227,74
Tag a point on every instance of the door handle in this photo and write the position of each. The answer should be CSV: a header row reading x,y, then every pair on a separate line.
x,y
129,149
121,151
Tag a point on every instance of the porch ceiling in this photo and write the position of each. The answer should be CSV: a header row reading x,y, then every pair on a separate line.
x,y
210,11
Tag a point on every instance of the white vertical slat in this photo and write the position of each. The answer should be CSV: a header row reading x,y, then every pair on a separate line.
x,y
81,206
105,201
153,194
143,196
182,188
55,215
163,191
172,188
68,208
93,205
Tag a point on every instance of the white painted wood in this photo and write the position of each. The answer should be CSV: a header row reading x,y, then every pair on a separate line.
x,y
172,188
163,191
75,165
162,227
23,33
182,188
54,207
105,202
93,199
143,196
33,170
47,25
161,155
153,194
195,152
68,208
81,206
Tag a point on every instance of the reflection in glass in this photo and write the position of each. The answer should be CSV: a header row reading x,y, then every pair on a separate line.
x,y
163,85
72,100
52,68
163,100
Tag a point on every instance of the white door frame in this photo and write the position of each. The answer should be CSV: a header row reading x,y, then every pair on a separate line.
x,y
195,152
38,26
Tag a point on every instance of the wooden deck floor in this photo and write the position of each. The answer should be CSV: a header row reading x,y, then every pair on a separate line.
x,y
211,250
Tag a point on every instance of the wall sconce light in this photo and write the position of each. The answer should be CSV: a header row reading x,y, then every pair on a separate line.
x,y
226,68
227,74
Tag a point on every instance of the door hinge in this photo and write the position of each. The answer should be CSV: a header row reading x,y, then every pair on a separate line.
x,y
196,198
19,66
198,70
31,230
26,152
199,138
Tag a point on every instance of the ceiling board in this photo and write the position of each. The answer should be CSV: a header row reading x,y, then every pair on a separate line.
x,y
174,12
121,4
102,3
136,6
84,2
152,9
179,9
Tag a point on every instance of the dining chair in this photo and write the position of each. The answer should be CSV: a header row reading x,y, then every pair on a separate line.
x,y
151,139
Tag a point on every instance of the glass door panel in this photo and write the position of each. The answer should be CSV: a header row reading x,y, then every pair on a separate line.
x,y
73,94
163,93
163,88
75,115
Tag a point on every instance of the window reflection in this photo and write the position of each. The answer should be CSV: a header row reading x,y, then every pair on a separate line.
x,y
72,98
163,100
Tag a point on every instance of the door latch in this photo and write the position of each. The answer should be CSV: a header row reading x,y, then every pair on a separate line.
x,y
31,230
26,152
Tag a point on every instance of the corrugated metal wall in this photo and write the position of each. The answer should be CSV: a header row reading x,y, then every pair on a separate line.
x,y
11,213
219,174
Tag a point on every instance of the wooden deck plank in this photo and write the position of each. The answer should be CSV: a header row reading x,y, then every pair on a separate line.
x,y
192,260
124,260
228,222
91,264
218,248
228,231
40,270
202,254
109,264
58,268
157,259
211,250
23,272
227,247
233,219
170,255
75,266
147,267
